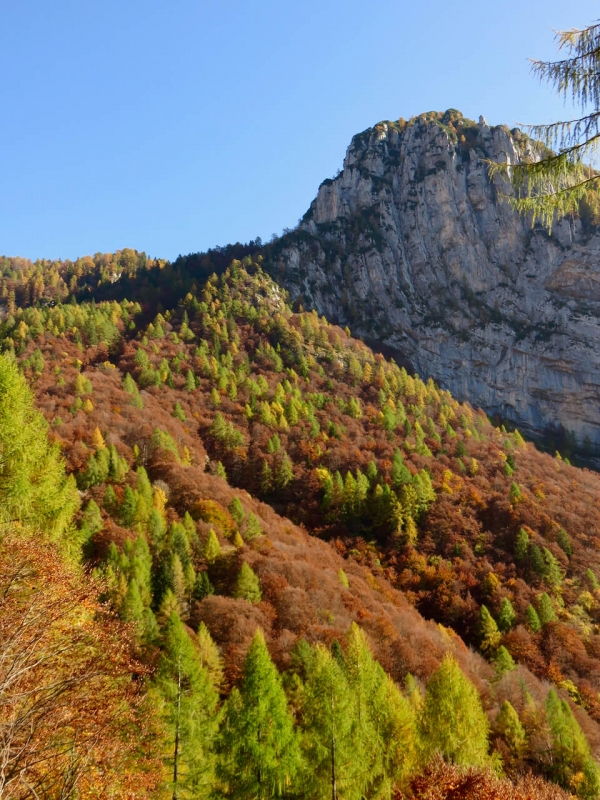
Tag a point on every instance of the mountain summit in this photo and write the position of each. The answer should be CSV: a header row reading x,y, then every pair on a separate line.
x,y
413,246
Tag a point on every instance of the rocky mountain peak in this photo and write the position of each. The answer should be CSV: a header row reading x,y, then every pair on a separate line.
x,y
413,245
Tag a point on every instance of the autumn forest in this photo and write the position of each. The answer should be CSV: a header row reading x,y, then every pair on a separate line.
x,y
245,556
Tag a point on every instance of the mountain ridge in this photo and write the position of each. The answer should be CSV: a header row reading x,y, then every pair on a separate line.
x,y
412,246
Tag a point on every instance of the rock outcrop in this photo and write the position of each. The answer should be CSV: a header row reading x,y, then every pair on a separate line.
x,y
413,246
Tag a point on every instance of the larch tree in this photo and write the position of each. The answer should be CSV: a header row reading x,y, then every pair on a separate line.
x,y
189,712
328,724
34,488
259,752
564,167
453,722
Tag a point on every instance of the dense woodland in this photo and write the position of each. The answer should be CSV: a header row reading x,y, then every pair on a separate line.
x,y
244,556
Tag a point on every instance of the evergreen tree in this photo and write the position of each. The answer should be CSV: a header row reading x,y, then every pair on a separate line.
x,y
34,488
521,545
552,573
532,619
236,509
190,381
554,184
546,612
91,519
247,585
284,471
508,725
564,542
132,609
128,508
488,631
503,662
506,615
453,722
328,723
258,747
384,732
202,586
212,548
209,656
253,527
570,749
190,713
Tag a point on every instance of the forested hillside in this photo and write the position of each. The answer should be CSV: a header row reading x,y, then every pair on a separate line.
x,y
298,570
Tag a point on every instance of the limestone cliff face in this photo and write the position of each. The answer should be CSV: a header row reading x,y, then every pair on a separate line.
x,y
412,246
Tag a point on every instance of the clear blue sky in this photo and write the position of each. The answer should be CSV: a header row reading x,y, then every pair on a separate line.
x,y
175,126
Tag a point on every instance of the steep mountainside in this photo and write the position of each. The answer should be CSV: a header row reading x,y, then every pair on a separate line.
x,y
413,247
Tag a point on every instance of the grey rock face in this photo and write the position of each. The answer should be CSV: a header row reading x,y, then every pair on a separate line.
x,y
413,246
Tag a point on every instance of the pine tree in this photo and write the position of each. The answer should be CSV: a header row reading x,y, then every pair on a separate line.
x,y
128,508
564,542
508,725
202,587
503,662
258,747
546,612
266,478
34,488
190,713
453,722
247,585
208,654
521,545
488,631
554,184
236,509
212,548
327,713
553,574
532,619
383,733
506,615
190,381
284,471
253,527
91,519
570,749
132,609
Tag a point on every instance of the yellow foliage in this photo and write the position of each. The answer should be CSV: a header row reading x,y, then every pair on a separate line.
x,y
98,439
88,406
159,499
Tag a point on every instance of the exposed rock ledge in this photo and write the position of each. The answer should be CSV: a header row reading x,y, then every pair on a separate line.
x,y
412,246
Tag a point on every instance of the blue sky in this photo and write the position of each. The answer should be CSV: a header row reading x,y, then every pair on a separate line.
x,y
173,127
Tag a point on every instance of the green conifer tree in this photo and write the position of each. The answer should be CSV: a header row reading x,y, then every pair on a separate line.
x,y
209,655
284,471
190,713
34,488
532,619
190,381
128,508
570,749
259,752
508,725
453,722
488,631
506,615
327,713
546,611
503,662
212,548
236,509
247,585
521,546
132,609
